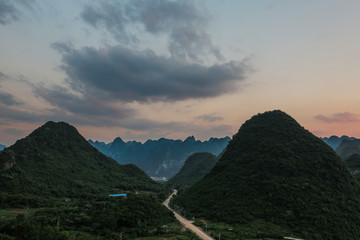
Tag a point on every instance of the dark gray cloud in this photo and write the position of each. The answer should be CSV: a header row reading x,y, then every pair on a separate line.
x,y
345,117
183,21
10,10
11,114
55,114
111,15
81,105
15,115
3,76
8,99
212,117
118,73
162,15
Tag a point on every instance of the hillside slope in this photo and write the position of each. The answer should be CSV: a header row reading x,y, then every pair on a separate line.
x,y
194,169
55,160
274,171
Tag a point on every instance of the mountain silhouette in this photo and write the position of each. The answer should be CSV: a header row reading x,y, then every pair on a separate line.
x,y
55,160
276,174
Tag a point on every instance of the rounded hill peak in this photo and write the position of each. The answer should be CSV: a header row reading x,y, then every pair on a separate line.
x,y
274,171
56,131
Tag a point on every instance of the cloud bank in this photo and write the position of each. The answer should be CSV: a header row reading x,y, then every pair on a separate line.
x,y
9,10
212,117
119,73
3,76
345,117
183,22
9,99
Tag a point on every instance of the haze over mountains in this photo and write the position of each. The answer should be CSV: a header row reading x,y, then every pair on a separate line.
x,y
275,175
159,158
2,147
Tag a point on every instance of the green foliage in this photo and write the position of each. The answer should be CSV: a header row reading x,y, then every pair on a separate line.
x,y
55,161
257,229
55,170
194,169
276,172
105,218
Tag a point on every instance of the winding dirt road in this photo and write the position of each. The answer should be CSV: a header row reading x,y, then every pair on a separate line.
x,y
186,223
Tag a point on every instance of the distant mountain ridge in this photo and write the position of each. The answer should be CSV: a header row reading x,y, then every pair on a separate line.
x,y
159,158
334,141
2,147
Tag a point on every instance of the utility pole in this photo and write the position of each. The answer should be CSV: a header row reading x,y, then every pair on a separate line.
x,y
219,236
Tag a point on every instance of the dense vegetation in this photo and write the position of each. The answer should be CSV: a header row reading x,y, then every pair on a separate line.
x,y
348,148
194,169
159,158
276,173
97,218
64,183
56,161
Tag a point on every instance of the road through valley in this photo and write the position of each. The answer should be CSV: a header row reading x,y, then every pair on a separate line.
x,y
186,223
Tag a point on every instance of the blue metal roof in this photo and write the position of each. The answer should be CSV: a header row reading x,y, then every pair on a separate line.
x,y
118,195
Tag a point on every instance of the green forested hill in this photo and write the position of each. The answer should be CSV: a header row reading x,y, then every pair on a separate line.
x,y
55,160
277,173
55,185
195,168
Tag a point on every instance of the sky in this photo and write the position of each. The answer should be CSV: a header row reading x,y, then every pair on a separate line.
x,y
142,69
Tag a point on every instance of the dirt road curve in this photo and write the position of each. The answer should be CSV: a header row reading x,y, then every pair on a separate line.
x,y
186,223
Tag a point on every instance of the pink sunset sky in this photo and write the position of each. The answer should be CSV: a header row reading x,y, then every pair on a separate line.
x,y
148,69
